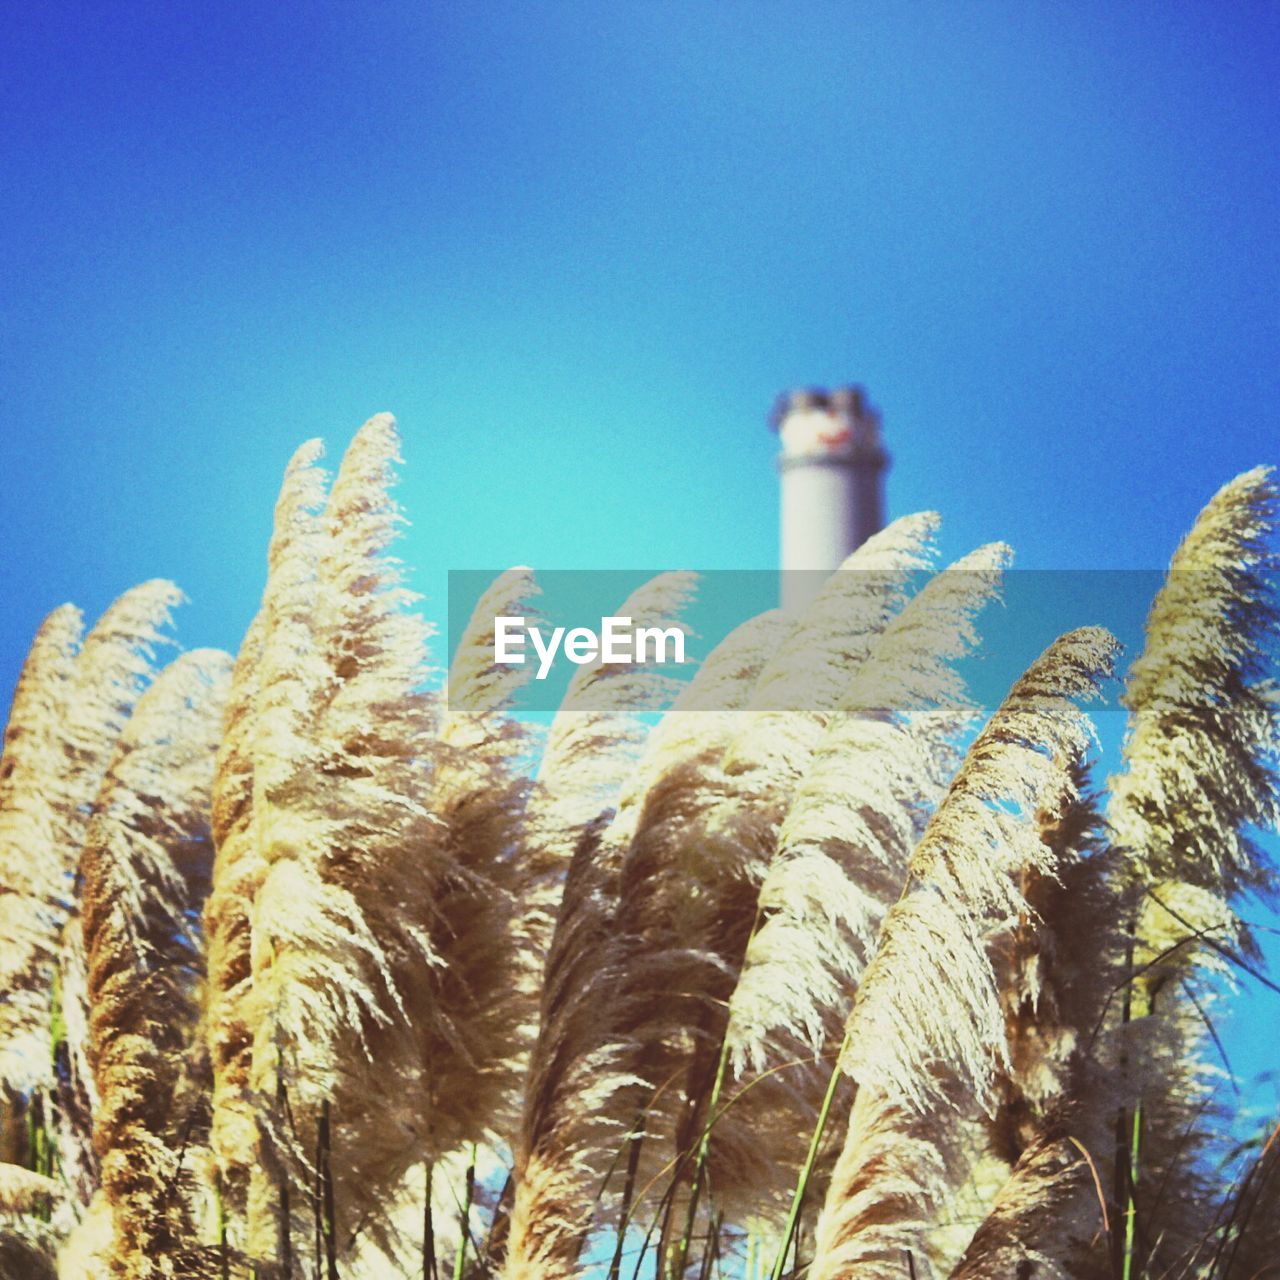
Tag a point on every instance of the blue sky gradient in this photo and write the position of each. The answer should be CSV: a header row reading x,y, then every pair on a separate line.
x,y
579,248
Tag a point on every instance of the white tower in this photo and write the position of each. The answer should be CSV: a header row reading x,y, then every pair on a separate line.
x,y
832,465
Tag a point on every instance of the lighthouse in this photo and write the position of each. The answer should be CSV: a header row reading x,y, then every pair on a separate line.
x,y
831,466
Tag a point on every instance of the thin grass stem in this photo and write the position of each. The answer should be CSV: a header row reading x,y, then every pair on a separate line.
x,y
790,1231
1131,1202
464,1234
286,1237
430,1269
328,1216
700,1160
634,1142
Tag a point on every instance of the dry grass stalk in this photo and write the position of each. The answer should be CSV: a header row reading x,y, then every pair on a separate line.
x,y
341,738
844,846
240,865
842,856
145,872
964,881
926,1034
1199,777
575,1076
686,886
1055,969
579,1101
1200,754
883,1195
34,797
696,944
71,704
596,735
72,701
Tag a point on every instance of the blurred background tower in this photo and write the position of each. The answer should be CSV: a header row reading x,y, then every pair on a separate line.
x,y
832,466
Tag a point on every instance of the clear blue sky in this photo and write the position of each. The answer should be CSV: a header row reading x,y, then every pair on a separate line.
x,y
578,248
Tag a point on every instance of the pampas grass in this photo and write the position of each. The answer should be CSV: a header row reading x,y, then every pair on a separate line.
x,y
71,703
690,878
313,969
145,871
844,845
1199,779
924,1039
73,700
1045,1216
242,773
963,882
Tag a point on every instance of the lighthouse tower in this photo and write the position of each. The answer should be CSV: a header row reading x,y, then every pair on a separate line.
x,y
832,466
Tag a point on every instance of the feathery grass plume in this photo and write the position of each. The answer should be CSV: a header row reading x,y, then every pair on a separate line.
x,y
425,821
842,856
590,753
574,1077
237,871
690,879
76,1096
471,997
1054,970
479,792
791,704
111,671
1199,776
339,754
423,975
379,928
1055,1104
481,745
340,772
963,882
809,675
275,635
594,741
884,1191
843,848
145,871
701,721
926,1032
1047,1194
481,689
596,735
68,712
33,796
1199,760
28,1247
572,1127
